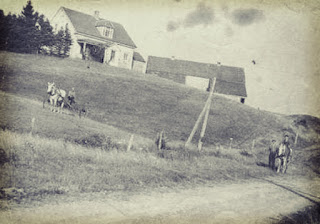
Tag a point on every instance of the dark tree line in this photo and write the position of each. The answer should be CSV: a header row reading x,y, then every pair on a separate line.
x,y
32,33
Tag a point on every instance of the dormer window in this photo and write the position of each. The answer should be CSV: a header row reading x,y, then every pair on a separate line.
x,y
108,32
105,28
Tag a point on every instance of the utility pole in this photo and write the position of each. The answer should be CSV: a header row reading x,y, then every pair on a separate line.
x,y
206,116
204,110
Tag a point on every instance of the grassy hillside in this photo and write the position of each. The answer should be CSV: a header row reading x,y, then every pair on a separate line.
x,y
35,167
19,112
48,162
40,164
140,103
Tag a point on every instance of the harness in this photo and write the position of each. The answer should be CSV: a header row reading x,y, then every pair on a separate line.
x,y
51,93
54,91
282,153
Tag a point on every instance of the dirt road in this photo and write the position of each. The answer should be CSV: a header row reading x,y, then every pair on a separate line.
x,y
255,201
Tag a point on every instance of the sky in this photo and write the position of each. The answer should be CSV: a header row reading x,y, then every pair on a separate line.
x,y
281,37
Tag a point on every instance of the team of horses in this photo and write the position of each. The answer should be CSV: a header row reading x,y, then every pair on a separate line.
x,y
280,155
57,99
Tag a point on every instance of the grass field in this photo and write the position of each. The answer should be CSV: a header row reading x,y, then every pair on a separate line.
x,y
44,167
68,155
141,103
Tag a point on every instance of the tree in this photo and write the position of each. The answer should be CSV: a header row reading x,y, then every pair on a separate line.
x,y
67,41
23,35
59,43
28,34
32,33
62,42
46,35
13,42
3,30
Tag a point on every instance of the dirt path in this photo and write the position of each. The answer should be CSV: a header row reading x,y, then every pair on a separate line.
x,y
259,200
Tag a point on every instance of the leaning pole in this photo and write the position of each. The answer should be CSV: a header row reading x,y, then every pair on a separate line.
x,y
205,108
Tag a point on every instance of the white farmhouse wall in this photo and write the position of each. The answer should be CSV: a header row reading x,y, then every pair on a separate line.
x,y
139,66
197,82
60,19
119,57
125,63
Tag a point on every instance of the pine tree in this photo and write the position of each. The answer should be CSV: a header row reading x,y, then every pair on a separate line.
x,y
29,35
67,41
46,35
59,43
13,42
3,30
32,33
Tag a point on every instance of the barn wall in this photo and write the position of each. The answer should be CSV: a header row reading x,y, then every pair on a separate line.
x,y
231,97
197,82
174,77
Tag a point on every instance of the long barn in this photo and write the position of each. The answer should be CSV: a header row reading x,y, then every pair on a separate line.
x,y
230,80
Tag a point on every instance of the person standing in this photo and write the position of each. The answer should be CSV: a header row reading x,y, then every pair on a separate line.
x,y
284,154
72,96
272,154
87,56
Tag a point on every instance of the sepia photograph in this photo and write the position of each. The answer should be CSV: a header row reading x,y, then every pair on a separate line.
x,y
159,112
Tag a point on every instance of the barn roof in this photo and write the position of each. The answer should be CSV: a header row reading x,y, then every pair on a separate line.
x,y
86,24
230,80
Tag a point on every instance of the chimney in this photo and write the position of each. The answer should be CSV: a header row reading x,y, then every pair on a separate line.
x,y
218,63
96,15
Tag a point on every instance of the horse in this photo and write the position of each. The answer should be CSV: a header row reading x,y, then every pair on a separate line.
x,y
56,96
283,156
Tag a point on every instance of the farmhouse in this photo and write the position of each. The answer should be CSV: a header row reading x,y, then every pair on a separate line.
x,y
97,39
230,81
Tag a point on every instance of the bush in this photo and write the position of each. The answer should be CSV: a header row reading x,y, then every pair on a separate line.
x,y
98,141
91,141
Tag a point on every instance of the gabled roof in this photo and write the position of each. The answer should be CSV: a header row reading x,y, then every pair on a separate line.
x,y
138,57
230,80
86,24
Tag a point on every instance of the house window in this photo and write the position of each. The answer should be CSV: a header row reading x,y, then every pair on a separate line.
x,y
125,56
108,32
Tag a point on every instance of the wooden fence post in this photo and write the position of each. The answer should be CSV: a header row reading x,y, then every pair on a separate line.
x,y
199,118
296,139
160,140
32,125
130,143
253,143
206,116
231,139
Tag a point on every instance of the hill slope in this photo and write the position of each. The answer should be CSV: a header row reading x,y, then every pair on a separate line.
x,y
140,103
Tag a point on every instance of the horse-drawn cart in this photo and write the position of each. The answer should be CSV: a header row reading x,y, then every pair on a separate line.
x,y
76,108
72,108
